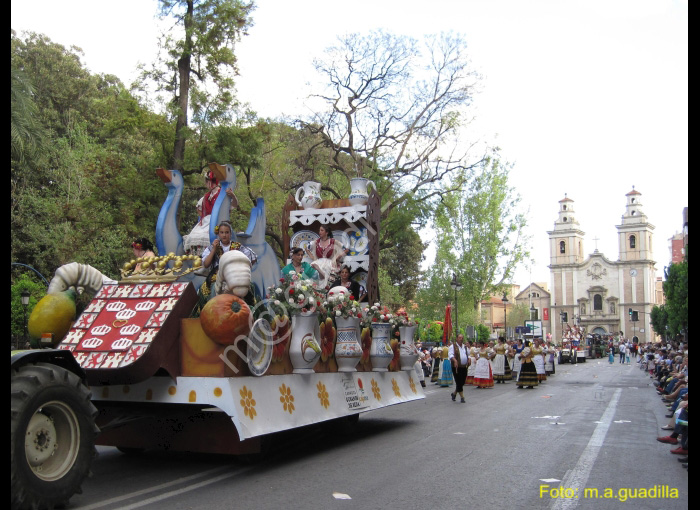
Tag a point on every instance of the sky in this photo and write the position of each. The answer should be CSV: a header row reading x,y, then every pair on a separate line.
x,y
587,99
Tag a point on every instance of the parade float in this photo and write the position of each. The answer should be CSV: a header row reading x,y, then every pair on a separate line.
x,y
137,369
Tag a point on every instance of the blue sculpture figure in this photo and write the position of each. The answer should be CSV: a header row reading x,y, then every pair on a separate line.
x,y
168,238
267,271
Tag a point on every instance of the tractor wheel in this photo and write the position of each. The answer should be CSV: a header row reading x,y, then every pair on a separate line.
x,y
52,434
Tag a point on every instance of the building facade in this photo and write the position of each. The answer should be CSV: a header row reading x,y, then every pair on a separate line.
x,y
596,292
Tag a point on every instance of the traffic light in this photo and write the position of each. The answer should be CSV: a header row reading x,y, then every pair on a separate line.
x,y
635,315
630,312
564,317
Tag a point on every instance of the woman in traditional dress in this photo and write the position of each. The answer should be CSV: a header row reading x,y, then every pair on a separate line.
x,y
538,359
549,361
483,375
500,363
517,350
327,254
472,364
446,378
435,375
527,377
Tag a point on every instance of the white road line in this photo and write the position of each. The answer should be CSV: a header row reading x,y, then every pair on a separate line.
x,y
130,495
578,477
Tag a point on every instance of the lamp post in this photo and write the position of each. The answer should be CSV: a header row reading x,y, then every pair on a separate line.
x,y
25,302
505,313
457,286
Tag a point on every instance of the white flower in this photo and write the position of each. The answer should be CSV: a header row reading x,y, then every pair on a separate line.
x,y
277,302
337,313
291,301
278,291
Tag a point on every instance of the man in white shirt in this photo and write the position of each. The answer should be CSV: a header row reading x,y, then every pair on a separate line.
x,y
459,359
622,347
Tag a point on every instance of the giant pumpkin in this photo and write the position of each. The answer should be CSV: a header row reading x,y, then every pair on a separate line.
x,y
225,318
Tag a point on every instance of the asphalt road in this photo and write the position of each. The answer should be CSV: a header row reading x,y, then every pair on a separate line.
x,y
592,426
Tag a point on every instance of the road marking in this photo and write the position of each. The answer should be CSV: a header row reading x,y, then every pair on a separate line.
x,y
185,479
578,477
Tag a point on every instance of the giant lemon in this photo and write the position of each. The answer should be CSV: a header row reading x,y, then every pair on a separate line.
x,y
54,313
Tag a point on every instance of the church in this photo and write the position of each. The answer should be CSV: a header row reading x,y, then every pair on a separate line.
x,y
595,292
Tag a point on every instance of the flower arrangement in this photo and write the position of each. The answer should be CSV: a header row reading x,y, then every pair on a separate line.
x,y
294,294
342,304
403,319
378,314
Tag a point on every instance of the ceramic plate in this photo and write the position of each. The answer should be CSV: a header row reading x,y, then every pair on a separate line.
x,y
361,242
302,239
259,350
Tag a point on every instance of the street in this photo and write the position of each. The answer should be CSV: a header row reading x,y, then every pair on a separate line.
x,y
591,427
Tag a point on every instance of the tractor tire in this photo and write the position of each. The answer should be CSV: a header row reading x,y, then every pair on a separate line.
x,y
52,434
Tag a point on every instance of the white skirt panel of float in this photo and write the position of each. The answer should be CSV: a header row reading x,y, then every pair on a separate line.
x,y
272,403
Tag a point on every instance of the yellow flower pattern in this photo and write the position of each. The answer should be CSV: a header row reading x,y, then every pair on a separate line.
x,y
323,395
248,403
376,391
286,398
412,384
395,387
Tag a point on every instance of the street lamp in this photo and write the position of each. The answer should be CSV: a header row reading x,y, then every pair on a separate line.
x,y
24,296
505,313
457,286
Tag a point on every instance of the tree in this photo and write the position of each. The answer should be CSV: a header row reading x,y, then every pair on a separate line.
x,y
676,291
393,111
659,320
480,232
197,66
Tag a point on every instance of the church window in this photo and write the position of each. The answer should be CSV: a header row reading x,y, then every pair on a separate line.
x,y
598,302
633,242
562,247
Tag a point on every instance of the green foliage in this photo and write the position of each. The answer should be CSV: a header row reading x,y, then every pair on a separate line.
x,y
659,320
483,333
480,233
676,291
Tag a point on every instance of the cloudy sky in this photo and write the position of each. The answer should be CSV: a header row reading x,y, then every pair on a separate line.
x,y
587,98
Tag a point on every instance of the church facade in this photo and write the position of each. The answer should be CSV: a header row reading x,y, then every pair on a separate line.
x,y
596,292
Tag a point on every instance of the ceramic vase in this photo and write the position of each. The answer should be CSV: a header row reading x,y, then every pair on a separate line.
x,y
408,353
380,353
358,190
305,344
348,349
311,198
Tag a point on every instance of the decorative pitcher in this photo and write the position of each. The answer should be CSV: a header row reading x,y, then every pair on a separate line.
x,y
408,353
381,353
348,350
305,346
358,190
312,195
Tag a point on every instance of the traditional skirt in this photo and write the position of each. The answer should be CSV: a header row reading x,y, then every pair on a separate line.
x,y
470,371
516,366
483,376
527,375
611,356
538,360
508,373
549,364
434,377
446,378
499,368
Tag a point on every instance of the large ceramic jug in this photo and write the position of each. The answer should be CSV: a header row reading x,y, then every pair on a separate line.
x,y
348,350
358,190
408,352
381,352
304,347
312,195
